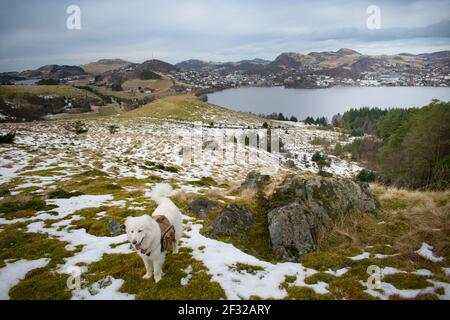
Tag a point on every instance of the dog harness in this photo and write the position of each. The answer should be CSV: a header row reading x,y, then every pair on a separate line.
x,y
167,232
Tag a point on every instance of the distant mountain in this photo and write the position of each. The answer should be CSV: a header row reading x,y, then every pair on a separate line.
x,y
254,61
53,71
224,67
156,66
197,65
344,62
105,65
326,59
436,56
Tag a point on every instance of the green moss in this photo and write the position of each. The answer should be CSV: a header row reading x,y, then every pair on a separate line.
x,y
45,173
305,293
14,207
137,183
41,284
207,182
130,268
290,279
4,192
92,185
382,249
62,194
440,291
319,277
245,268
348,288
99,227
282,197
257,240
424,296
393,204
16,244
151,165
407,281
323,261
349,250
95,227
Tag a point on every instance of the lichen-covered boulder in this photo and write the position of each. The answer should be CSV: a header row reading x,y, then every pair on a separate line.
x,y
201,207
234,220
254,181
299,207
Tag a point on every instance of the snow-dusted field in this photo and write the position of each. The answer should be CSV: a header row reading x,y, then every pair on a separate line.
x,y
45,155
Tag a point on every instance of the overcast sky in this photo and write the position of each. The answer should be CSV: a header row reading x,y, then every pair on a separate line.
x,y
34,33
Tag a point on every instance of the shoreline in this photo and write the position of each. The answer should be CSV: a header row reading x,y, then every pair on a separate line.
x,y
215,90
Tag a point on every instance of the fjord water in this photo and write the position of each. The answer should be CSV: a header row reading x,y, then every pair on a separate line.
x,y
324,102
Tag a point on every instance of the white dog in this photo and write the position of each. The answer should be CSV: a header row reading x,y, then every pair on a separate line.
x,y
145,235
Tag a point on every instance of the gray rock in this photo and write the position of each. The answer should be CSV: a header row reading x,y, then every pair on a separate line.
x,y
115,227
300,208
210,145
254,181
234,220
201,207
290,164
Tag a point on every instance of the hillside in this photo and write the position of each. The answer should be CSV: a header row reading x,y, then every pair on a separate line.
x,y
53,72
226,67
27,103
64,198
104,65
190,108
343,63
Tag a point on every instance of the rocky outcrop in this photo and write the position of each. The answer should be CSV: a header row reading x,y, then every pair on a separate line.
x,y
201,207
255,181
300,207
115,228
234,220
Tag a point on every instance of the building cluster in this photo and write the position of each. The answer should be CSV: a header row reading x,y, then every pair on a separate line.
x,y
385,75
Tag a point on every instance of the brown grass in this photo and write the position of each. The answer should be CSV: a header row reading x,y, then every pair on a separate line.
x,y
407,219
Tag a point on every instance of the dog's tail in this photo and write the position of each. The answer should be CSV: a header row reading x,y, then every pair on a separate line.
x,y
160,191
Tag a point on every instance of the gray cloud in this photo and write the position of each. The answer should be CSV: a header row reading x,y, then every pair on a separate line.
x,y
33,33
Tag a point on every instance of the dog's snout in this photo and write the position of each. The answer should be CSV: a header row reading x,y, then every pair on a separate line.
x,y
134,241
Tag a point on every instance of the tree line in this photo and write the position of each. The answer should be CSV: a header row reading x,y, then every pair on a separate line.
x,y
407,148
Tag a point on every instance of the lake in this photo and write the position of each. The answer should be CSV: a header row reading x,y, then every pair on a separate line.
x,y
26,82
324,102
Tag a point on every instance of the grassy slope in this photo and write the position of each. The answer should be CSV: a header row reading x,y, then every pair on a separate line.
x,y
62,90
157,85
188,107
409,219
99,68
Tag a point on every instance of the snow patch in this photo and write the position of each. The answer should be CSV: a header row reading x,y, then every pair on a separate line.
x,y
106,289
364,255
12,273
218,256
185,280
426,251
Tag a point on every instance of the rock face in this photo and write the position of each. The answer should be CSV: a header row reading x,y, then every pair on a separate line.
x,y
254,181
300,207
115,227
201,207
234,220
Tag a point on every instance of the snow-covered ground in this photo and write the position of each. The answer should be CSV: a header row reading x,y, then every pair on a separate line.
x,y
48,146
